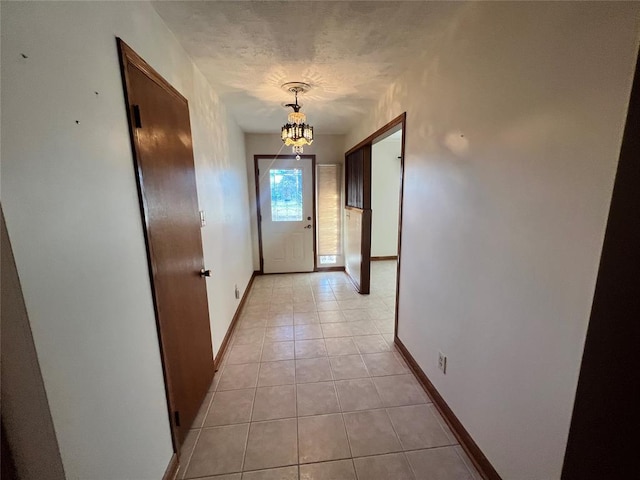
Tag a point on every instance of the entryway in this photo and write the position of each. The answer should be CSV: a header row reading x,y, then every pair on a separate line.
x,y
285,189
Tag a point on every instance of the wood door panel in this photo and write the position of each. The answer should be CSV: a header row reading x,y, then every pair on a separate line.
x,y
165,170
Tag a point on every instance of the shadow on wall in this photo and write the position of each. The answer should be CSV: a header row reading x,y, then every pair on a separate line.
x,y
26,418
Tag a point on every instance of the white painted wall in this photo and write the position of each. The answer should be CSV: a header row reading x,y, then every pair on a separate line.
x,y
71,207
515,116
328,149
385,196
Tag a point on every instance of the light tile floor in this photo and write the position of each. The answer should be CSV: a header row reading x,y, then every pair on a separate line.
x,y
312,388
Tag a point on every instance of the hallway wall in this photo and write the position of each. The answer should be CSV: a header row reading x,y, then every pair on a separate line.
x,y
328,149
72,213
26,418
386,175
515,115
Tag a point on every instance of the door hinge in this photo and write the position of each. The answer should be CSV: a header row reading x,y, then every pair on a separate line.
x,y
136,116
176,418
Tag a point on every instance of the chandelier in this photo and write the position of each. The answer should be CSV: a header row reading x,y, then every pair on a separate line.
x,y
296,132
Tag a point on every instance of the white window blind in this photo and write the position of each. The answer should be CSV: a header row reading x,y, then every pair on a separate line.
x,y
329,219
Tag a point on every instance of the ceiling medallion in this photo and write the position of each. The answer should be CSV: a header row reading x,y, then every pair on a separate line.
x,y
296,132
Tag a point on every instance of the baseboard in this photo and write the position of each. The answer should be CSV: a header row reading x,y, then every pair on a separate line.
x,y
478,458
390,257
234,321
172,469
330,269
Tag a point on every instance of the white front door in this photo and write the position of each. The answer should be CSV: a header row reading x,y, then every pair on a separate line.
x,y
286,207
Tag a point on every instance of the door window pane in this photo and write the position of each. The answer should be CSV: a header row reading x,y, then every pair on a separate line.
x,y
286,194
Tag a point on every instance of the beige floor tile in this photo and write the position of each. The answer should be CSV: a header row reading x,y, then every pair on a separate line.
x,y
417,427
308,332
356,315
272,403
321,438
235,377
307,306
272,444
363,327
310,348
348,366
380,313
202,413
389,337
469,464
283,473
278,334
281,299
357,394
249,336
320,287
259,300
324,296
340,346
352,364
303,297
309,370
380,364
186,450
335,316
282,290
244,354
254,320
277,373
371,433
336,330
218,450
344,295
438,464
400,390
351,304
305,318
278,319
386,325
229,407
317,398
272,352
393,466
452,438
371,344
335,470
327,306
216,379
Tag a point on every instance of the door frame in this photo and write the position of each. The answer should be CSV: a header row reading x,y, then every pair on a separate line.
x,y
380,134
256,158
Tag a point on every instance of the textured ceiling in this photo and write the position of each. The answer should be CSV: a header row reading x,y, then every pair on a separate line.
x,y
348,51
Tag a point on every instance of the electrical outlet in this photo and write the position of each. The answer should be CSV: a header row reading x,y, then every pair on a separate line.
x,y
442,362
237,292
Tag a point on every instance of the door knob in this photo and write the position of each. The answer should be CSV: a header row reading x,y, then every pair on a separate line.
x,y
205,273
308,226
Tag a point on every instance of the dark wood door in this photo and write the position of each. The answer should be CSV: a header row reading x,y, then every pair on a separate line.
x,y
161,137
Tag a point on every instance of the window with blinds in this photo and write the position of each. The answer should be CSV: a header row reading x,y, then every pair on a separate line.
x,y
329,217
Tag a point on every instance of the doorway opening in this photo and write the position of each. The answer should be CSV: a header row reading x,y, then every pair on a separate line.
x,y
286,207
374,180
